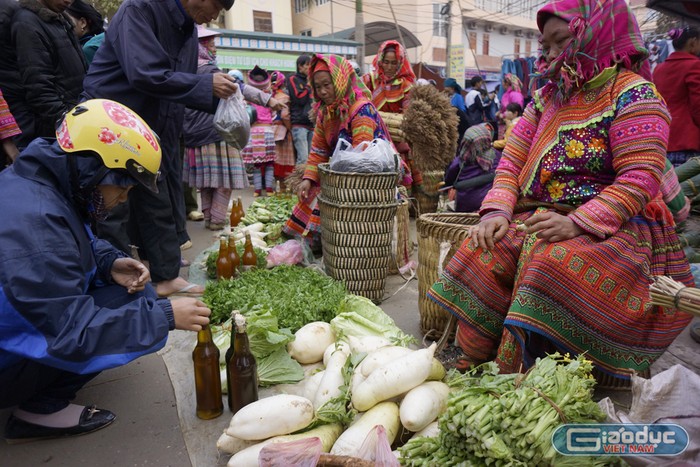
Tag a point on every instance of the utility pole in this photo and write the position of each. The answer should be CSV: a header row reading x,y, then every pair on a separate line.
x,y
396,23
360,34
447,11
332,27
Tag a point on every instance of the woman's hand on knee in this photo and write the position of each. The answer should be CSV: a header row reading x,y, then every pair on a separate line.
x,y
488,232
552,227
190,314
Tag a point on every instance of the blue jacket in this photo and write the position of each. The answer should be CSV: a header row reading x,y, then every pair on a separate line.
x,y
50,263
148,62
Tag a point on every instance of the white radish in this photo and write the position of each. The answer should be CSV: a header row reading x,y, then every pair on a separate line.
x,y
385,414
437,371
367,344
430,431
231,444
248,457
381,357
310,342
394,378
256,227
311,384
356,379
271,416
341,346
332,379
423,404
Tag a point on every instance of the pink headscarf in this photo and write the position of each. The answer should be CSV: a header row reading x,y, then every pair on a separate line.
x,y
605,33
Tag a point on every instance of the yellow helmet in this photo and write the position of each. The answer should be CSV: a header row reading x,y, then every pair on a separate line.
x,y
114,132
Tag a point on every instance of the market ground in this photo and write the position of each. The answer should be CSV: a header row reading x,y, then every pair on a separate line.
x,y
153,397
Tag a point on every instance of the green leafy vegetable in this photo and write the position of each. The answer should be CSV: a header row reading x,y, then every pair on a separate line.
x,y
358,317
295,295
279,368
264,333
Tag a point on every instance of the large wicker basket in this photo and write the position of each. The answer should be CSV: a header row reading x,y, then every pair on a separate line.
x,y
434,229
428,198
344,227
352,187
357,212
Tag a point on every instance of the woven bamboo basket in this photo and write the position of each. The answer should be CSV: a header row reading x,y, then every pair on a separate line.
x,y
352,187
433,229
402,245
355,263
357,212
341,251
357,240
343,227
429,197
367,289
356,275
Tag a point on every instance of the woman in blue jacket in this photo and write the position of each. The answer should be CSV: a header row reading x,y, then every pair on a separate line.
x,y
72,305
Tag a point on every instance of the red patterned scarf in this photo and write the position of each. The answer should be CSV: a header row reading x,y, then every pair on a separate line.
x,y
391,88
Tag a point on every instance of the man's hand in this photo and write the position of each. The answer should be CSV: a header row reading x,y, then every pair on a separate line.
x,y
303,190
131,274
224,85
552,227
190,314
274,104
488,232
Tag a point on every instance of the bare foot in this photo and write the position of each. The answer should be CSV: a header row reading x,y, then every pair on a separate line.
x,y
178,286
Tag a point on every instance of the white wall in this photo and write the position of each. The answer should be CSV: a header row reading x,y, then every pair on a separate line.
x,y
240,16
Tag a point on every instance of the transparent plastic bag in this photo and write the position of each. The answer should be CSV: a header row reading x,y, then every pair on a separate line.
x,y
374,156
290,252
300,453
232,122
376,448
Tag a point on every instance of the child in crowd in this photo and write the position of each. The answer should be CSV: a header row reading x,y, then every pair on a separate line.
x,y
512,116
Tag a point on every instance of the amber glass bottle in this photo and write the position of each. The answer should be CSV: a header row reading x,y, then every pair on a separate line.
x,y
224,268
241,369
207,379
249,259
241,212
233,257
234,219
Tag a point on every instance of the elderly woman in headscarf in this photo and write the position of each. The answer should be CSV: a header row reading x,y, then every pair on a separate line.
x,y
390,84
575,226
513,93
343,109
284,157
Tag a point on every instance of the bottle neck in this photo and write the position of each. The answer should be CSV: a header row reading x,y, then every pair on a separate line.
x,y
204,336
240,342
223,247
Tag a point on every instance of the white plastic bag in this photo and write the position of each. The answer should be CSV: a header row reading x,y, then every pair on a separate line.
x,y
299,453
376,448
232,122
368,157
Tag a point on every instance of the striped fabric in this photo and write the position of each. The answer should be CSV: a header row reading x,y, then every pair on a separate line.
x,y
215,165
8,125
598,158
284,149
261,147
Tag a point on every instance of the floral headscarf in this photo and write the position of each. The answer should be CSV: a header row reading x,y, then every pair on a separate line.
x,y
348,88
278,80
513,82
476,146
391,88
605,33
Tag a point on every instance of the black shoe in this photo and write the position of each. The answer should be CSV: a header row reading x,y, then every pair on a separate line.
x,y
92,419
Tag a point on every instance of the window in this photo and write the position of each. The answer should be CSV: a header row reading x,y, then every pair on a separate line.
x,y
262,21
528,48
472,40
322,2
439,54
439,21
485,44
516,47
305,32
300,5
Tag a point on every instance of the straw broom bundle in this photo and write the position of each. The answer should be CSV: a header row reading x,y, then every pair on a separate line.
x,y
669,293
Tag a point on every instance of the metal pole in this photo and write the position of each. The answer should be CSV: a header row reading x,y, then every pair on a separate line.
x,y
332,27
448,39
398,29
360,34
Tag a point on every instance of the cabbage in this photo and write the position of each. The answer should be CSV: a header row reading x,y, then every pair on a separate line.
x,y
358,317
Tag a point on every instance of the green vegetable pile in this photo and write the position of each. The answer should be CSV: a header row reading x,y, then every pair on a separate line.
x,y
295,295
496,419
359,316
273,211
214,255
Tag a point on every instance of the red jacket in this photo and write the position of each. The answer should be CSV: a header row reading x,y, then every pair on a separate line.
x,y
678,81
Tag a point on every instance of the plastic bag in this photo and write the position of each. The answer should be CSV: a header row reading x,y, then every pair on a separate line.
x,y
368,157
376,448
232,122
300,453
290,252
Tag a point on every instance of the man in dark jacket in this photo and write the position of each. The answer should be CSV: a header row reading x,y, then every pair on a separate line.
x,y
51,68
148,62
299,92
474,102
72,305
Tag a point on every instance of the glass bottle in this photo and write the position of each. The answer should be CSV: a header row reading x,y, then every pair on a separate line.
x,y
241,369
250,259
228,355
233,257
241,212
278,189
224,269
207,379
234,219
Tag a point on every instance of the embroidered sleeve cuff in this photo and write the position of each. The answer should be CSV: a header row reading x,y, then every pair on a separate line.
x,y
486,214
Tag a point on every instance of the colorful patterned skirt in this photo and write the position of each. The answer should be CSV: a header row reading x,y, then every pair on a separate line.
x,y
305,221
284,159
215,165
528,297
261,147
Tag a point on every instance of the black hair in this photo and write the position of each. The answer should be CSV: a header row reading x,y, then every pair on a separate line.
x,y
79,9
515,108
303,60
476,80
682,36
